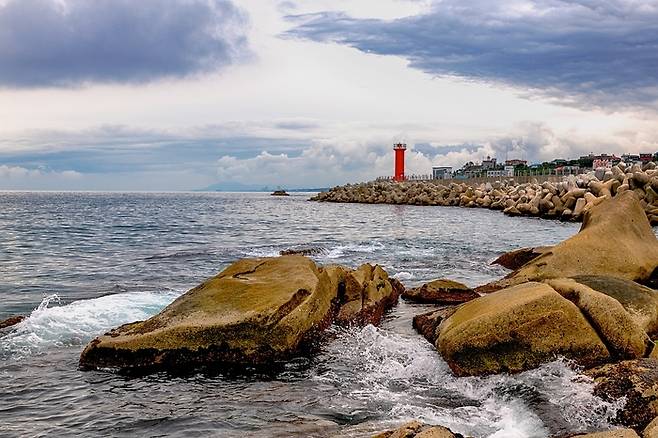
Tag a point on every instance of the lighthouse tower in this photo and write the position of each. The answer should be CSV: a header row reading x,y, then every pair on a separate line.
x,y
399,149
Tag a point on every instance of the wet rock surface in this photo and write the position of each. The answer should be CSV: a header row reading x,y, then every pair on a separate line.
x,y
442,291
11,321
416,429
637,381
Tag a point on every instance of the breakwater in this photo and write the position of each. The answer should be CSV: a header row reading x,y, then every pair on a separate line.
x,y
567,199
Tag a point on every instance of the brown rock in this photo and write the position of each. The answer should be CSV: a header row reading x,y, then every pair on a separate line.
x,y
651,431
427,323
256,311
515,259
416,429
11,321
615,326
637,380
516,329
440,291
615,240
639,301
616,433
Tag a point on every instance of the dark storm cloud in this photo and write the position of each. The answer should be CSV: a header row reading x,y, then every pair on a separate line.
x,y
65,43
587,52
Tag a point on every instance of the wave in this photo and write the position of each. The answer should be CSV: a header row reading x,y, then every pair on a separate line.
x,y
402,377
54,325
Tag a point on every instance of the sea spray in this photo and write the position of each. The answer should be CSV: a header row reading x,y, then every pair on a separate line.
x,y
78,322
394,376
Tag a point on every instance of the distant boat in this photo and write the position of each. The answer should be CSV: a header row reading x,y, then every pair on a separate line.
x,y
280,193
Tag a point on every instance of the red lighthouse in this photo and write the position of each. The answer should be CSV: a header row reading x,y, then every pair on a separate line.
x,y
399,149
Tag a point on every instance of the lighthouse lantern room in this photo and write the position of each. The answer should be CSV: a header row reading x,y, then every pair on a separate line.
x,y
399,149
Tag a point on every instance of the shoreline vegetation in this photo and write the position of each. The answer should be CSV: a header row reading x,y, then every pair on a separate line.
x,y
568,199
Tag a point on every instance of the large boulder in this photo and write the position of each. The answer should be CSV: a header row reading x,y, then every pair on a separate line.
x,y
637,381
516,329
615,240
256,311
441,291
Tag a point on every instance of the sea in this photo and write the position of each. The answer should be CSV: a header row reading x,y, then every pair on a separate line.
x,y
79,264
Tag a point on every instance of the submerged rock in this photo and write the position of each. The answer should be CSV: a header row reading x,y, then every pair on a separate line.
x,y
637,381
440,291
416,429
256,311
615,240
516,329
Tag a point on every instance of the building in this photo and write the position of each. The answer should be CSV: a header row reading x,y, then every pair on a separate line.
x,y
509,169
516,162
646,158
441,172
489,163
497,173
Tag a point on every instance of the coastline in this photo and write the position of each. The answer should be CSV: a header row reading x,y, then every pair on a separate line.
x,y
568,199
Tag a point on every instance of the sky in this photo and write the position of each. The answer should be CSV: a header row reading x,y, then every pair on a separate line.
x,y
185,94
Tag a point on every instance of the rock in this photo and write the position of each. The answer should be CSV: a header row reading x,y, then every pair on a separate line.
x,y
616,433
256,311
639,301
280,193
11,321
615,240
614,325
637,380
515,259
440,291
366,293
516,329
416,429
427,323
301,251
651,431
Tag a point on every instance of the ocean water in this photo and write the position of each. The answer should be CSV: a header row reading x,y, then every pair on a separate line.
x,y
81,263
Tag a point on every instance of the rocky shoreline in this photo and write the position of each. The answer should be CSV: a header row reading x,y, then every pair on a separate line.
x,y
584,300
568,199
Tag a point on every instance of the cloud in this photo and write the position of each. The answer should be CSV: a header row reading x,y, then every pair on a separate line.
x,y
579,52
69,42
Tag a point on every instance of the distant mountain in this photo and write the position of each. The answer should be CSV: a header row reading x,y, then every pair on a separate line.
x,y
233,186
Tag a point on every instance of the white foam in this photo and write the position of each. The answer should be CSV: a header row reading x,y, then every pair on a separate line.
x,y
406,374
263,252
77,323
403,275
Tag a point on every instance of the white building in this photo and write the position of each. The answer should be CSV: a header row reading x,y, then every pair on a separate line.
x,y
441,172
